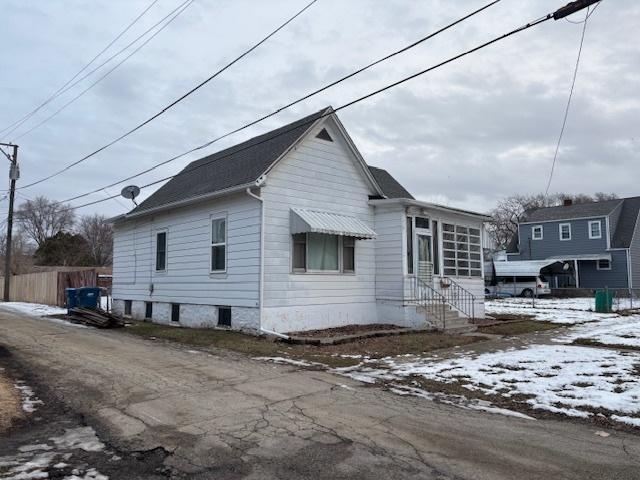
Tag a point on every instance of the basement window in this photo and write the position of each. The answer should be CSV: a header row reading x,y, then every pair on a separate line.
x,y
224,316
148,310
324,135
127,307
175,312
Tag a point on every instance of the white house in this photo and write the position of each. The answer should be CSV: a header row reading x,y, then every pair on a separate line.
x,y
291,231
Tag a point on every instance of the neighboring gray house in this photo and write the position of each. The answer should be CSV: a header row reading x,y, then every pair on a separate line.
x,y
290,231
587,245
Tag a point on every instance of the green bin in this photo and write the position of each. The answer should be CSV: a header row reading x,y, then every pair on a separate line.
x,y
604,301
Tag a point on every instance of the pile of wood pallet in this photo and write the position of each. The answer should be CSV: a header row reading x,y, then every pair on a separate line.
x,y
95,318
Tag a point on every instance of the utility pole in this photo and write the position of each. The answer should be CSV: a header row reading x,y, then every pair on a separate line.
x,y
14,174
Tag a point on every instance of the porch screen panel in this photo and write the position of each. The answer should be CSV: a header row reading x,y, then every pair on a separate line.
x,y
461,250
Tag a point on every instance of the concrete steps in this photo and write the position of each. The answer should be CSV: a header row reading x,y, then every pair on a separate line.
x,y
454,323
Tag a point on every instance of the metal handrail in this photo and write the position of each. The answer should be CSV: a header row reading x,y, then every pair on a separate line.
x,y
428,297
458,297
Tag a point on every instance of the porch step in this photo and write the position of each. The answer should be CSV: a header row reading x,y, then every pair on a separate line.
x,y
459,325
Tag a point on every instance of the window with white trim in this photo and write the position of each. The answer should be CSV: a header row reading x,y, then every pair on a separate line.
x,y
603,264
565,231
161,251
461,250
595,229
319,252
536,232
218,244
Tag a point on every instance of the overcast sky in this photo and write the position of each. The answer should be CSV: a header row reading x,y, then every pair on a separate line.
x,y
465,135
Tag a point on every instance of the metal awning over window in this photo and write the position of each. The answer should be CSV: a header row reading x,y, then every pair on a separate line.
x,y
584,256
318,221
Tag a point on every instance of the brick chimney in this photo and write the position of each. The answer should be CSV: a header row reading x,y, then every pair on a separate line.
x,y
567,202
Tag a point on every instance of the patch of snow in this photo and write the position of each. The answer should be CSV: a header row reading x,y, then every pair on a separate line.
x,y
29,400
635,421
33,448
620,330
563,311
289,361
84,438
564,379
91,474
40,311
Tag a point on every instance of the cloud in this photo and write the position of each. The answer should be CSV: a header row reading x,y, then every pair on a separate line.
x,y
464,135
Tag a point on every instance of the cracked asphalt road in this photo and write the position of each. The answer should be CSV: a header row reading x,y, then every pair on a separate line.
x,y
222,415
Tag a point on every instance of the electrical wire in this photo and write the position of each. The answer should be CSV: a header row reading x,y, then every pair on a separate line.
x,y
566,110
588,15
46,119
117,54
343,106
175,102
288,105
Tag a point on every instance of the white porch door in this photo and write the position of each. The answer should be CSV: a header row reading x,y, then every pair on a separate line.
x,y
425,258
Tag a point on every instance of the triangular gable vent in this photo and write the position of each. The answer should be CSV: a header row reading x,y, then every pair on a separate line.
x,y
324,135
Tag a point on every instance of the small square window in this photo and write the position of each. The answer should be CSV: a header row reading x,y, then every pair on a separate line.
x,y
175,312
422,222
604,264
127,307
537,232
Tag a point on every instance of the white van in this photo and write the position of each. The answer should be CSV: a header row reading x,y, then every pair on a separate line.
x,y
521,286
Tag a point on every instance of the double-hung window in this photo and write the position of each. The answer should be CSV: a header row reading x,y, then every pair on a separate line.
x,y
319,252
218,244
161,251
595,229
536,232
565,231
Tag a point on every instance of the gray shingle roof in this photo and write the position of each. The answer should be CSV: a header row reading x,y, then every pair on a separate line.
x,y
389,185
578,210
234,166
627,223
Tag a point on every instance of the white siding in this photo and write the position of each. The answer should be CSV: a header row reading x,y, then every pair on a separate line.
x,y
318,175
187,278
390,225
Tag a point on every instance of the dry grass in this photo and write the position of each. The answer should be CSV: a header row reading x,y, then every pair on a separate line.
x,y
10,403
518,328
331,355
589,342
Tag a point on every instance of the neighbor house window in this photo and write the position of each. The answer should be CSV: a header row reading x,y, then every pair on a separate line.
x,y
565,231
604,264
218,244
161,251
461,250
536,232
318,252
595,229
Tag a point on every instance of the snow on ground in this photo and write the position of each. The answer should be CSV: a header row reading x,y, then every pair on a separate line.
x,y
34,309
620,331
570,380
48,461
289,361
555,310
29,399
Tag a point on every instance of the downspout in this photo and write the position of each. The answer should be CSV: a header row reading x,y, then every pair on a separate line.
x,y
261,277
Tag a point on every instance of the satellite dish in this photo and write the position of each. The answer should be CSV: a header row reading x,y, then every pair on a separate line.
x,y
131,192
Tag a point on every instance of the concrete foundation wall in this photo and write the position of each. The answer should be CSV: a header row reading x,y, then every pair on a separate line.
x,y
194,316
313,317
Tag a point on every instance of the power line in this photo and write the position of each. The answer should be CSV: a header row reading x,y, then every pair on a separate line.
x,y
343,106
175,102
59,90
284,107
588,15
45,120
566,110
179,9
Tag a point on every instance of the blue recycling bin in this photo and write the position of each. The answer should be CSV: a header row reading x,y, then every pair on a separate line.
x,y
88,297
72,297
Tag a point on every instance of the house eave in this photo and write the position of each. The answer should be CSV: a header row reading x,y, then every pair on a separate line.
x,y
433,206
185,202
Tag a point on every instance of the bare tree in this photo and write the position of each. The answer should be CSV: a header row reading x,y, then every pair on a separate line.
x,y
42,218
99,236
512,210
21,252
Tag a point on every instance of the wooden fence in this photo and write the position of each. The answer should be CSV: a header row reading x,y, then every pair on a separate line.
x,y
47,287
